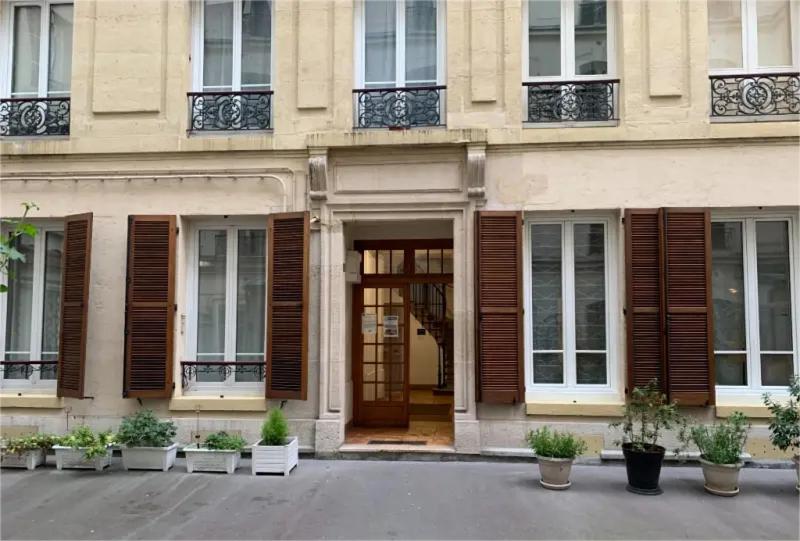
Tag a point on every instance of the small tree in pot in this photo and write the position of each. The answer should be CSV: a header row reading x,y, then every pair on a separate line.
x,y
721,447
785,425
646,415
148,442
275,452
555,452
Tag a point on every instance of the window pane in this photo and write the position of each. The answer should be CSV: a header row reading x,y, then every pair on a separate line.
x,y
774,291
19,306
548,368
60,60
546,286
420,41
590,287
218,44
591,37
27,28
211,301
591,368
380,39
776,369
384,262
774,33
731,368
725,34
398,258
421,261
54,241
727,287
256,43
251,294
544,37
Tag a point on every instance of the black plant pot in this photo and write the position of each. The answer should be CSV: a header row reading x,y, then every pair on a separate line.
x,y
644,468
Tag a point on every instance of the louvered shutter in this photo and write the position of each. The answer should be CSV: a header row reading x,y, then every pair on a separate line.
x,y
150,307
500,374
287,306
687,278
75,273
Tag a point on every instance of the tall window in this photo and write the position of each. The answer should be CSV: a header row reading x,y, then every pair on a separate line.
x,y
31,311
568,302
754,327
40,49
228,298
751,35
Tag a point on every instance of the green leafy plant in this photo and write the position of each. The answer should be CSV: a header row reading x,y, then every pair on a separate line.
x,y
93,444
275,430
222,441
31,442
143,429
721,443
8,251
784,427
555,444
646,415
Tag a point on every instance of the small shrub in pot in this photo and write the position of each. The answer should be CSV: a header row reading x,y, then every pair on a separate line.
x,y
275,452
221,452
82,448
148,442
27,451
721,447
784,427
555,452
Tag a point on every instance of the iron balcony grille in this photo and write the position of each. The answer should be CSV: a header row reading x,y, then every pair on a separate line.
x,y
230,111
24,369
34,116
190,370
407,107
759,95
572,101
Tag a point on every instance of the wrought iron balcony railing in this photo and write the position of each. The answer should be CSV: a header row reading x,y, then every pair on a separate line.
x,y
34,116
194,370
407,107
757,95
230,111
572,101
25,369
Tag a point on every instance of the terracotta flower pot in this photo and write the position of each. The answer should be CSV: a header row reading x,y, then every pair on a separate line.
x,y
721,479
555,472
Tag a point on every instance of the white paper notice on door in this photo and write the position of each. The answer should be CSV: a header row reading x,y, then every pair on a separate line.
x,y
369,323
390,326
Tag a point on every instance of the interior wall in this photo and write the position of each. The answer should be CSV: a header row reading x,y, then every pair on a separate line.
x,y
423,355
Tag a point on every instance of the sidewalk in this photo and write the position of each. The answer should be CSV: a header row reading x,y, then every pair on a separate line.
x,y
389,500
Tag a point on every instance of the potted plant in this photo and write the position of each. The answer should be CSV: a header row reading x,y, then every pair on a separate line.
x,y
26,451
83,449
555,452
221,452
275,452
721,447
148,442
784,427
645,416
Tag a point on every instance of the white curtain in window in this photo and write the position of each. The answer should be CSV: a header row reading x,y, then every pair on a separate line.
x,y
724,34
544,37
420,42
51,300
251,292
774,33
256,44
19,307
25,69
212,261
218,45
380,42
60,54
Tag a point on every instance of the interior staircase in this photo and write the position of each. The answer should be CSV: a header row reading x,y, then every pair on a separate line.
x,y
429,307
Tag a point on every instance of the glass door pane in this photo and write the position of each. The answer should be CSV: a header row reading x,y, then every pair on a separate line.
x,y
420,42
212,261
383,352
251,294
60,54
380,42
256,44
19,307
27,40
591,40
544,38
51,301
724,34
774,33
218,45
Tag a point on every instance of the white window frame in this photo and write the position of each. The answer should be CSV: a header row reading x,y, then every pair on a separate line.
x,y
754,388
37,303
198,16
400,47
231,225
750,42
568,45
570,385
7,48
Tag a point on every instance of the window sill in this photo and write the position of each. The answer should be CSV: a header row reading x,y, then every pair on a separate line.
x,y
753,118
214,403
44,401
586,409
583,124
229,133
753,412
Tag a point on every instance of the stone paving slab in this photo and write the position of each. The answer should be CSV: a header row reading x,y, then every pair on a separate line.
x,y
343,499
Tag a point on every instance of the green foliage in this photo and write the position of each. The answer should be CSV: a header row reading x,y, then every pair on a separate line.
x,y
646,415
275,430
143,429
93,445
222,441
721,443
555,444
22,444
785,425
8,250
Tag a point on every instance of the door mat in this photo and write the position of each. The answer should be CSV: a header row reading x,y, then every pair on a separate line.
x,y
397,442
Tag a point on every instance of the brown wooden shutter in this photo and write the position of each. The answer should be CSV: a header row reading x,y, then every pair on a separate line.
x,y
287,305
499,335
687,278
75,273
150,307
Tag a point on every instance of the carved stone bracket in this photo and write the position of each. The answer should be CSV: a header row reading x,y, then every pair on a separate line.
x,y
476,170
318,173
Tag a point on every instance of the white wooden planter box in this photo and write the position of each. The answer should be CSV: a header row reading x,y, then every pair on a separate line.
x,y
69,458
212,460
274,458
149,458
29,459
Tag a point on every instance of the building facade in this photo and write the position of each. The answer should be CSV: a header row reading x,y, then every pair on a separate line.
x,y
523,208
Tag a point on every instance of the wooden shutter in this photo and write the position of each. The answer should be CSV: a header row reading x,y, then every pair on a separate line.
x,y
687,279
75,272
287,305
500,374
150,307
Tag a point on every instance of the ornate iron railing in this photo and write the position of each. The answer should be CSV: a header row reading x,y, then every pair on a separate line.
x,y
572,101
191,369
763,94
24,369
34,116
230,111
407,107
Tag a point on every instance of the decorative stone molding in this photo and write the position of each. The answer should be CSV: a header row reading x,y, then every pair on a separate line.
x,y
476,170
318,173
